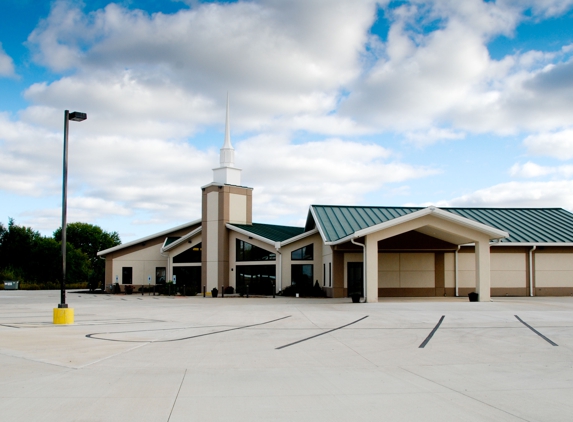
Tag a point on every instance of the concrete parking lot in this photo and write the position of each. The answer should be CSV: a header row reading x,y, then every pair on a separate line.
x,y
150,358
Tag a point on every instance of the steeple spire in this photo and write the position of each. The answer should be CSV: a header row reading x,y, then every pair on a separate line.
x,y
227,174
227,158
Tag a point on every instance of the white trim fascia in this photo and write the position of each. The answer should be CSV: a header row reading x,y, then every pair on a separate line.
x,y
318,226
491,231
298,237
181,239
146,238
249,234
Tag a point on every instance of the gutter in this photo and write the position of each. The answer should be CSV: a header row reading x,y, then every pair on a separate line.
x,y
531,270
456,269
279,276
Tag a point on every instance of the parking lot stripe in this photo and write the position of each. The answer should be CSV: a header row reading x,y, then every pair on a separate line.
x,y
536,332
421,346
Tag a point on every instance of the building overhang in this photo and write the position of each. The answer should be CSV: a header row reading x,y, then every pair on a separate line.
x,y
427,229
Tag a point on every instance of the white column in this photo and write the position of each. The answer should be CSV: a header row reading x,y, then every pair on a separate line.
x,y
371,270
483,271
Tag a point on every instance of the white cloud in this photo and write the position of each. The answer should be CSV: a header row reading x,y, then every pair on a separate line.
x,y
289,177
553,144
446,77
433,135
276,59
518,194
531,170
6,63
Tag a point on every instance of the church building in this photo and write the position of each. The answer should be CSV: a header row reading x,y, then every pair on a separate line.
x,y
377,251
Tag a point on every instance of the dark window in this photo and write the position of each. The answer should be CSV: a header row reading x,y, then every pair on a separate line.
x,y
324,275
302,275
190,255
127,275
330,274
188,276
306,253
160,275
260,279
355,285
248,252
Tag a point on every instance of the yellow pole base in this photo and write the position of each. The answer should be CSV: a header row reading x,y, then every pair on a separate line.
x,y
63,315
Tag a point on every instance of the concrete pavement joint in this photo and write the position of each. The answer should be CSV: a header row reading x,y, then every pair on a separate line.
x,y
92,336
465,395
177,396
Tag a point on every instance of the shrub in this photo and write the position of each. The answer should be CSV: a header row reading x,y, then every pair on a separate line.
x,y
229,290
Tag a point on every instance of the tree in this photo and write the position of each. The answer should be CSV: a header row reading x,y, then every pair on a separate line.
x,y
90,239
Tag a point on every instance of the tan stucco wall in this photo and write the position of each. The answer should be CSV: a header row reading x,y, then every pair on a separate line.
x,y
449,270
406,270
466,270
237,208
143,263
508,270
553,270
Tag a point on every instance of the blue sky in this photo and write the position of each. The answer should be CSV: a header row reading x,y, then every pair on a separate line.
x,y
342,102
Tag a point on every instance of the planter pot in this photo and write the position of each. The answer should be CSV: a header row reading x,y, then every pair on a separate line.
x,y
473,296
355,297
214,292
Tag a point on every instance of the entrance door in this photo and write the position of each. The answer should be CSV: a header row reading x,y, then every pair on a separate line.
x,y
189,276
354,278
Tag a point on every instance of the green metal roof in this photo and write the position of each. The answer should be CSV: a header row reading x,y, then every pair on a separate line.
x,y
524,225
271,231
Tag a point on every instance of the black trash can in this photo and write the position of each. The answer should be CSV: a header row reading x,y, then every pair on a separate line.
x,y
473,296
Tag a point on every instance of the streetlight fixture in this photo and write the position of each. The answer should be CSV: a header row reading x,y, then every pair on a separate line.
x,y
63,314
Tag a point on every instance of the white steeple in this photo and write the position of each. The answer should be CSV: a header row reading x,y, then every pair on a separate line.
x,y
227,174
227,152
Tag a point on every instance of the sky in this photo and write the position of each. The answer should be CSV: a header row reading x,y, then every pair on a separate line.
x,y
445,102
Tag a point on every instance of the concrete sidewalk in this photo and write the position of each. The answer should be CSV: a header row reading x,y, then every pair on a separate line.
x,y
150,358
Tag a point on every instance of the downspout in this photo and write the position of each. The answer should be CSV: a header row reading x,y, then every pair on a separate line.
x,y
167,278
279,277
456,269
363,245
531,270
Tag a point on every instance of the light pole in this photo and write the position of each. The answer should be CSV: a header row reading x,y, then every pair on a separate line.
x,y
63,314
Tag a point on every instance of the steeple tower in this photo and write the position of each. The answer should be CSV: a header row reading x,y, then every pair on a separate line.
x,y
224,201
227,174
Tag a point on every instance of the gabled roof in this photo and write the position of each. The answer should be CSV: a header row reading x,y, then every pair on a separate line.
x,y
146,238
268,232
524,225
172,242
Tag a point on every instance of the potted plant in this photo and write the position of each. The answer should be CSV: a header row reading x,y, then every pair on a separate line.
x,y
355,297
128,289
214,292
473,296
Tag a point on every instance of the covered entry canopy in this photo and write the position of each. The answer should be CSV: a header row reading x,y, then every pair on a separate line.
x,y
367,226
